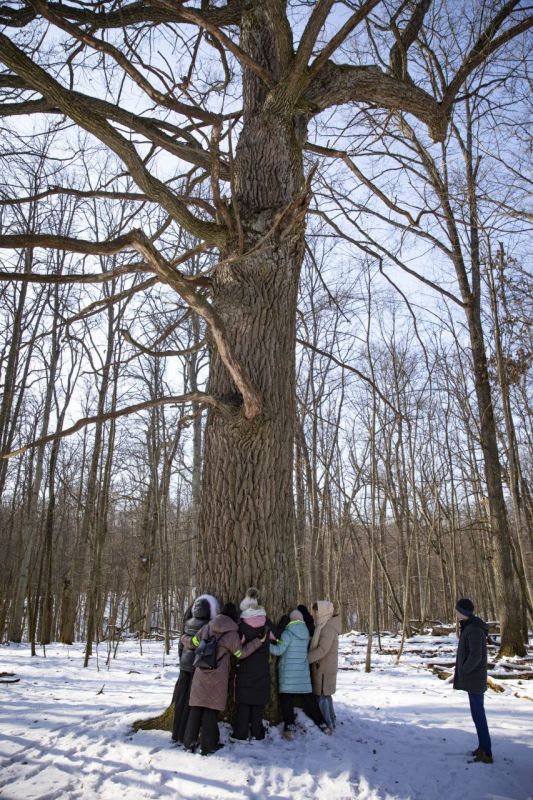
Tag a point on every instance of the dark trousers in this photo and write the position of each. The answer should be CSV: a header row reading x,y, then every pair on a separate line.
x,y
309,705
202,723
182,692
248,719
477,709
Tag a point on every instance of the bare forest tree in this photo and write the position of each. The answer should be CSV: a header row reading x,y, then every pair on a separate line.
x,y
196,129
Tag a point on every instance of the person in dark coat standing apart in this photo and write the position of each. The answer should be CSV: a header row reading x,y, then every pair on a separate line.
x,y
471,673
209,690
201,611
252,678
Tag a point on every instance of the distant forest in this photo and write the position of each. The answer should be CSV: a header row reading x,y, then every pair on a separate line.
x,y
265,313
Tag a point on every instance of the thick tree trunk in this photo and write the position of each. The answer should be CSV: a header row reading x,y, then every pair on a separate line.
x,y
247,512
196,481
247,518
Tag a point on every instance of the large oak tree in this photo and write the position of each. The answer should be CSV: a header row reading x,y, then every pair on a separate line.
x,y
223,100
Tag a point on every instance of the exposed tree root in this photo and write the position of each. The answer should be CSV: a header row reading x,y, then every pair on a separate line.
x,y
161,723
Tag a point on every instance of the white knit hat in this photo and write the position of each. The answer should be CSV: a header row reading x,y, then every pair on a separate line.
x,y
251,599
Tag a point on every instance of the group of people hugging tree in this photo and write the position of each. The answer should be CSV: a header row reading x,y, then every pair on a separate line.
x,y
305,642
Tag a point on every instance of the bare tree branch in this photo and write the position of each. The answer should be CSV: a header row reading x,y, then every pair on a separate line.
x,y
327,151
103,277
337,84
313,27
349,367
100,305
398,54
336,41
484,46
107,248
132,13
165,100
162,353
190,15
86,117
252,401
366,245
194,397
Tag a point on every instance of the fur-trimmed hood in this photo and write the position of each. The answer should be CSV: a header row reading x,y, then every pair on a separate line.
x,y
213,603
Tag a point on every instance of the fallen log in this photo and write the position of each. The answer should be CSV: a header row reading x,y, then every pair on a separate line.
x,y
512,676
442,630
517,662
444,674
444,664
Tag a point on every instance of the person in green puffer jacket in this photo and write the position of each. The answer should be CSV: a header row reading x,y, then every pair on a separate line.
x,y
294,676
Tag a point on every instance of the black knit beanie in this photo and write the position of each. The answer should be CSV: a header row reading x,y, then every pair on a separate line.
x,y
230,610
465,607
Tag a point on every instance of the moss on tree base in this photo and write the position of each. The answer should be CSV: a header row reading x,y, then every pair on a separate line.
x,y
161,723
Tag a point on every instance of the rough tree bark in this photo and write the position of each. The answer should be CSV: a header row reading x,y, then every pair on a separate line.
x,y
247,511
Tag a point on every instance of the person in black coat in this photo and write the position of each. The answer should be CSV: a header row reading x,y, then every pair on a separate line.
x,y
252,680
471,673
308,619
285,619
194,620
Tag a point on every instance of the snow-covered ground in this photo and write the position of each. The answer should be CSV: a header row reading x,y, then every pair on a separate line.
x,y
402,733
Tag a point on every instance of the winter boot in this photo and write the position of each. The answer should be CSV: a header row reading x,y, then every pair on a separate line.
x,y
483,758
289,732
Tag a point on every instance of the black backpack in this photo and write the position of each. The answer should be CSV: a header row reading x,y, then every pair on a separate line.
x,y
205,656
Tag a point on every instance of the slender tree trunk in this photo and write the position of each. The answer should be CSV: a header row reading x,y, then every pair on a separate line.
x,y
8,378
373,489
508,604
512,449
31,535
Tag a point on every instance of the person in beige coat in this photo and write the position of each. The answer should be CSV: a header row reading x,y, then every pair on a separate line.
x,y
209,689
323,657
